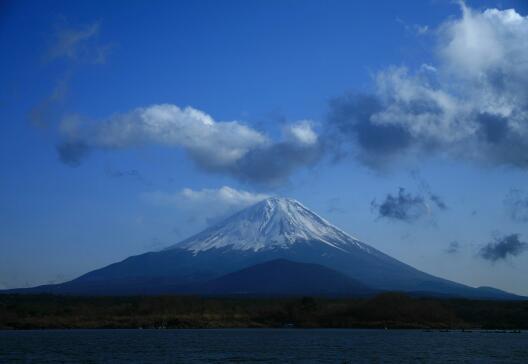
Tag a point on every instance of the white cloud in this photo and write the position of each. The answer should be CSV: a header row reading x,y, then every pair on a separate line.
x,y
215,144
471,103
302,132
218,146
411,101
208,204
224,195
481,42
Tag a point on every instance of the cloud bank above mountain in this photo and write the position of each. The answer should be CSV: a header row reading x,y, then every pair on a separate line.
x,y
472,103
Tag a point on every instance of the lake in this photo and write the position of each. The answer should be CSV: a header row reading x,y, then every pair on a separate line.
x,y
261,345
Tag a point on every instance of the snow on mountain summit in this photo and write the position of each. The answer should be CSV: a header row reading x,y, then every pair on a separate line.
x,y
271,223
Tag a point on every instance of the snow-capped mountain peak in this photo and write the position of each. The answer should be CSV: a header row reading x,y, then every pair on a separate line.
x,y
271,223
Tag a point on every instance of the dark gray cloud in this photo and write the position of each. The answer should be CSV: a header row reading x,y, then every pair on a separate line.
x,y
350,120
493,128
438,201
403,206
408,207
274,164
132,174
503,247
72,153
453,248
516,203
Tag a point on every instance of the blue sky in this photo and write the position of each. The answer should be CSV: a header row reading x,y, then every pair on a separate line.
x,y
126,127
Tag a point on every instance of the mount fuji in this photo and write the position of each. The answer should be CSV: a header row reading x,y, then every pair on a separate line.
x,y
277,246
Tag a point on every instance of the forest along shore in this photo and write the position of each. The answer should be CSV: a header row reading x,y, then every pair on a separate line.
x,y
387,310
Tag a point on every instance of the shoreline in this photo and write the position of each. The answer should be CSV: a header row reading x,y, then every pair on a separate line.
x,y
462,331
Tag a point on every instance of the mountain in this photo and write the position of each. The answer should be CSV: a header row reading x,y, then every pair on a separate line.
x,y
281,277
272,223
276,228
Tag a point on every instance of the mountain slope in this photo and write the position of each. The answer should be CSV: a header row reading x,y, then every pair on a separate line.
x,y
282,277
272,223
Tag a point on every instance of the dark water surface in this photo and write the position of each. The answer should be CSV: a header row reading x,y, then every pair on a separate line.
x,y
261,345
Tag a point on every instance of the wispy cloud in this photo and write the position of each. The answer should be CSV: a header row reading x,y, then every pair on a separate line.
x,y
73,45
132,174
78,44
425,190
414,28
453,248
48,109
210,205
516,203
